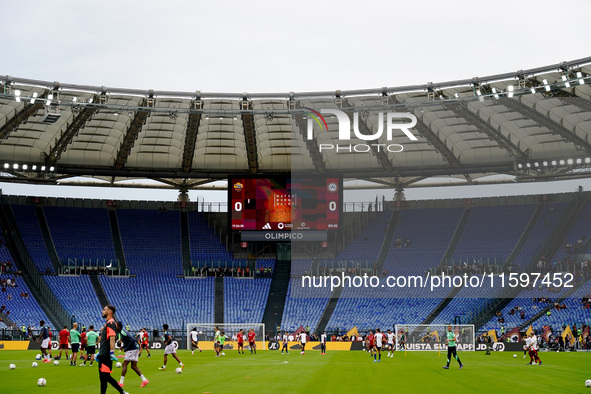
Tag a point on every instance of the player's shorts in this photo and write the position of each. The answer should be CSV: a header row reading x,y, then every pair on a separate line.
x,y
371,346
46,343
132,355
252,344
64,346
144,346
170,349
303,344
105,363
90,349
194,345
378,348
284,344
82,347
390,345
75,347
240,344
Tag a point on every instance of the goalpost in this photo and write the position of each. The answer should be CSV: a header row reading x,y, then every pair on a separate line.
x,y
206,332
431,337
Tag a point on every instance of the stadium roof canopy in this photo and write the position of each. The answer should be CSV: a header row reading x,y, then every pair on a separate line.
x,y
519,126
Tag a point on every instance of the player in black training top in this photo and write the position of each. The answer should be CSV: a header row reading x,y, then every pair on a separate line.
x,y
106,354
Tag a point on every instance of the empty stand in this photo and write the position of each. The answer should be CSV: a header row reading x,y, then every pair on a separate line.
x,y
32,236
151,241
245,300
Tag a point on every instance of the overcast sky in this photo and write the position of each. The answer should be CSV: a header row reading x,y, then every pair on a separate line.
x,y
280,46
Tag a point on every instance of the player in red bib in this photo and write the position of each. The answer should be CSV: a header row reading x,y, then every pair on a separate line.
x,y
240,339
143,339
371,343
82,343
252,341
64,340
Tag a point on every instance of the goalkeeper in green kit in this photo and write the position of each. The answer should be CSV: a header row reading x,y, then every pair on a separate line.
x,y
451,347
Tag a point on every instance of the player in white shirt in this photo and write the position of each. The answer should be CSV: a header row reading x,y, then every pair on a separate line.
x,y
194,341
532,345
303,338
322,343
390,336
379,338
285,343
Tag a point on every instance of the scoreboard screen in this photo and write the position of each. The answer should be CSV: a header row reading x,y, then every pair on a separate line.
x,y
284,203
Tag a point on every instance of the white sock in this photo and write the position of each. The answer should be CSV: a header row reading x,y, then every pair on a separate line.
x,y
164,366
143,378
122,379
181,364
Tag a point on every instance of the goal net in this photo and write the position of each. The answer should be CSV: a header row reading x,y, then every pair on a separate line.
x,y
432,337
206,333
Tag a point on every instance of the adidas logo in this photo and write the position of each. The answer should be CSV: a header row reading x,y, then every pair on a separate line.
x,y
267,227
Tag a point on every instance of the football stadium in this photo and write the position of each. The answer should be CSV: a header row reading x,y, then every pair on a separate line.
x,y
419,237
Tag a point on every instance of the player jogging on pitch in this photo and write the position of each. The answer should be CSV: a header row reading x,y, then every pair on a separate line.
x,y
45,341
223,338
64,340
390,345
371,343
303,339
106,354
322,343
451,347
169,348
240,340
75,343
402,340
91,339
252,341
130,346
83,343
285,343
216,341
531,343
194,341
379,338
144,342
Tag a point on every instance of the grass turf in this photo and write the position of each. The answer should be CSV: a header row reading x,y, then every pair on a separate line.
x,y
335,372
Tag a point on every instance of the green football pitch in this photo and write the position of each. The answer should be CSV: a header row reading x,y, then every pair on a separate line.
x,y
335,372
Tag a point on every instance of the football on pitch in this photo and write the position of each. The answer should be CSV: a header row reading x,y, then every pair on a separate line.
x,y
179,370
38,357
588,383
515,356
41,382
12,366
118,365
56,363
34,365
